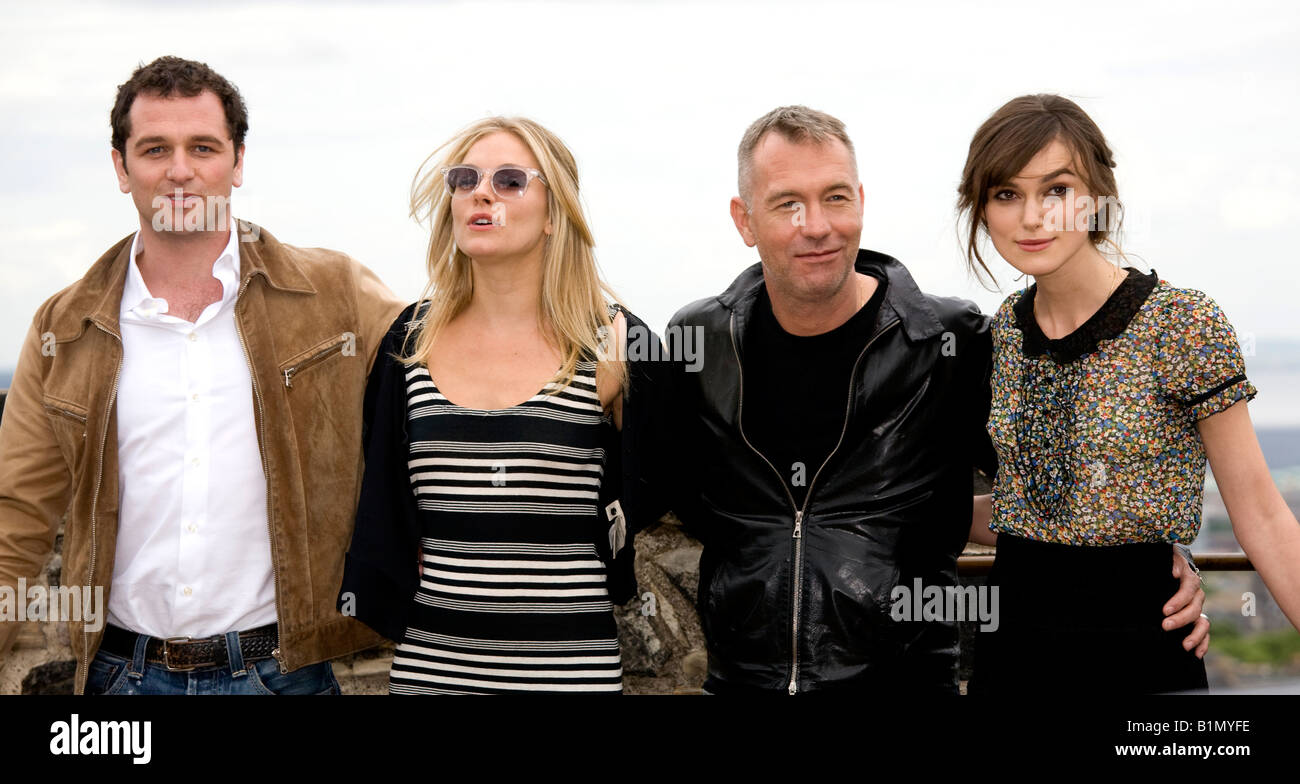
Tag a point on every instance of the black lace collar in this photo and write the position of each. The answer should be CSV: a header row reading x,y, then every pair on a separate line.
x,y
1110,320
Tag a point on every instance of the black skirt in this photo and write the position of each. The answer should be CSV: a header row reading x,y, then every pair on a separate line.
x,y
1083,620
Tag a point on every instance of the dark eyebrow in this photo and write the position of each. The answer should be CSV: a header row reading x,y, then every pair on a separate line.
x,y
150,141
1057,173
1044,178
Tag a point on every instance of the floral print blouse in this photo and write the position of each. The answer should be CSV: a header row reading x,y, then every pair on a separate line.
x,y
1096,432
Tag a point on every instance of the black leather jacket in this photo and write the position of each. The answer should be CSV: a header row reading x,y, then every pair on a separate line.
x,y
798,599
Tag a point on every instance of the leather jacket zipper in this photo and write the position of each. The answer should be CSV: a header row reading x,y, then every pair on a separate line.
x,y
84,664
261,445
799,513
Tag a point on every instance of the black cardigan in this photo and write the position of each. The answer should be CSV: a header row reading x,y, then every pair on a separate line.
x,y
381,572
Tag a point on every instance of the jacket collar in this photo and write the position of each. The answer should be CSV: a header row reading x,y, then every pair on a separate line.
x,y
97,297
903,299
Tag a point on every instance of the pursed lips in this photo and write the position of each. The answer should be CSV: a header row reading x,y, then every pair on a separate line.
x,y
1034,245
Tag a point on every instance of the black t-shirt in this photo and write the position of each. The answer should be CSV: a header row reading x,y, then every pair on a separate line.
x,y
797,389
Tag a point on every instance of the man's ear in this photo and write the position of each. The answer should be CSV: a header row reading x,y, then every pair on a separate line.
x,y
239,167
741,217
119,166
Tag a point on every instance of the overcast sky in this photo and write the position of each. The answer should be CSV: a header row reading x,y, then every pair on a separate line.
x,y
1198,100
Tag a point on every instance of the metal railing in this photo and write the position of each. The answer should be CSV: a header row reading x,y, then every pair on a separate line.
x,y
979,565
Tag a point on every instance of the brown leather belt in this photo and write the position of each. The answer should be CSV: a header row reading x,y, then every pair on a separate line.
x,y
180,654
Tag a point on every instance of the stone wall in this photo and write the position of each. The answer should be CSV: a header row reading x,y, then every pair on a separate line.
x,y
40,661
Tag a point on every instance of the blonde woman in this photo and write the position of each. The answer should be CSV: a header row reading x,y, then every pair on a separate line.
x,y
492,536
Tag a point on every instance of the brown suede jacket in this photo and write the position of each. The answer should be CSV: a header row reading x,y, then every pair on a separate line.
x,y
310,321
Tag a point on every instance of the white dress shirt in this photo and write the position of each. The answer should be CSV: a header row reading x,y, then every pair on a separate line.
x,y
193,544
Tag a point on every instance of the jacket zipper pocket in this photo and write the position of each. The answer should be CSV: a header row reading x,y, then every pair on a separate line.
x,y
69,421
65,413
319,356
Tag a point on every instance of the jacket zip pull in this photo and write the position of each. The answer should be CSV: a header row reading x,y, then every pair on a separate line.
x,y
279,659
288,377
798,525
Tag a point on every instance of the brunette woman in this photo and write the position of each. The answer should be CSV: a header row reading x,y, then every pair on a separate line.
x,y
1110,388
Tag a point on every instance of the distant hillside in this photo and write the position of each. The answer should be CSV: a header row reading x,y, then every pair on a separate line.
x,y
6,376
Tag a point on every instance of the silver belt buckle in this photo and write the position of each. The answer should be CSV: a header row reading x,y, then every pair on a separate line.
x,y
167,654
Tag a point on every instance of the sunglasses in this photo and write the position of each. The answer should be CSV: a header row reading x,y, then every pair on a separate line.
x,y
508,182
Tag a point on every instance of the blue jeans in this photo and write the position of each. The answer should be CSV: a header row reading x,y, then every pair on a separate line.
x,y
112,674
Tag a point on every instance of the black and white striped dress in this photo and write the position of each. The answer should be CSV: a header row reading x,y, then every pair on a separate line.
x,y
512,595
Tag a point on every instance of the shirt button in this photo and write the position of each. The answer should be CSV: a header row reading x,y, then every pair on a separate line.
x,y
193,336
188,591
195,397
191,528
195,462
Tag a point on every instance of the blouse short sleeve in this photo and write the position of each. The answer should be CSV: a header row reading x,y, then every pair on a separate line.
x,y
1199,355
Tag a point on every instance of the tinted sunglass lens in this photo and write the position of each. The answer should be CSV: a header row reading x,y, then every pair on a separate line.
x,y
461,179
510,182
